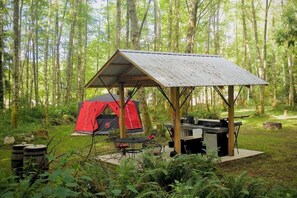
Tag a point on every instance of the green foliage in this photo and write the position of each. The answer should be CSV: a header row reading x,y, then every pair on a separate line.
x,y
34,114
244,186
31,119
113,135
184,167
288,34
201,111
182,176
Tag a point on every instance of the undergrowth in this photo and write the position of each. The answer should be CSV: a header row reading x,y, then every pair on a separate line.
x,y
150,176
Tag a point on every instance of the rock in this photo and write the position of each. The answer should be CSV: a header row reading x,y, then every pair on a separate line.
x,y
41,133
272,125
9,140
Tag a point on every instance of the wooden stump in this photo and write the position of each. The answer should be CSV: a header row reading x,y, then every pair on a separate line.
x,y
272,125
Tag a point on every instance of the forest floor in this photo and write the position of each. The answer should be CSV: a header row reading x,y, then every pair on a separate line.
x,y
277,166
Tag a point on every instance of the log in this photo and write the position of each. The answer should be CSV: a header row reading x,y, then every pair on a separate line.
x,y
272,125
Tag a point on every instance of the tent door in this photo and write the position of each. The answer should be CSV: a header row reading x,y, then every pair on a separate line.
x,y
107,123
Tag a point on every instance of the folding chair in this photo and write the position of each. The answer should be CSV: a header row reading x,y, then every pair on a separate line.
x,y
152,144
121,148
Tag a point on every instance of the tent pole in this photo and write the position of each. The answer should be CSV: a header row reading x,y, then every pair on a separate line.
x,y
122,112
231,120
177,131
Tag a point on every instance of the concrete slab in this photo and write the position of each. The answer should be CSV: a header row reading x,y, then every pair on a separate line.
x,y
115,158
242,153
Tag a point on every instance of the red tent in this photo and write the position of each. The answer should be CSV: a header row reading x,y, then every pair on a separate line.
x,y
92,117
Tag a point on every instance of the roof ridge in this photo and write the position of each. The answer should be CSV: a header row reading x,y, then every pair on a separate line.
x,y
167,53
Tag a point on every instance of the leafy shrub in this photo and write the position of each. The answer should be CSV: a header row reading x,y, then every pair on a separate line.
x,y
183,167
113,135
201,112
34,114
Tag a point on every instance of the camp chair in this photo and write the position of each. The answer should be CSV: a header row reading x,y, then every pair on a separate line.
x,y
154,146
121,148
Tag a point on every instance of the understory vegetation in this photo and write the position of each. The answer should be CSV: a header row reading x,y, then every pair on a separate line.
x,y
76,172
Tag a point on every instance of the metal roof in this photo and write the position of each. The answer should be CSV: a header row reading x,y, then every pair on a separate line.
x,y
170,70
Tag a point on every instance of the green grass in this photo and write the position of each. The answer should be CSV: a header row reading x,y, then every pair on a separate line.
x,y
278,166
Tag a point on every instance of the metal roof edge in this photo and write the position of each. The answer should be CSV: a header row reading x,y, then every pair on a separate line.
x,y
168,53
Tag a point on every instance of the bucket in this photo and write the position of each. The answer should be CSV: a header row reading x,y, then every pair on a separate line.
x,y
17,161
35,158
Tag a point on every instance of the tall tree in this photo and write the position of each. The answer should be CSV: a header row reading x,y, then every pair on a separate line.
x,y
56,93
176,25
118,24
46,60
16,63
69,66
191,26
259,56
1,55
82,47
136,33
35,48
287,37
128,27
170,25
246,57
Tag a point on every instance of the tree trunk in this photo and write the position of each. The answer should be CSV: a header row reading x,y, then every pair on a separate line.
x,y
118,25
216,30
81,58
128,27
108,28
56,94
176,25
157,26
69,66
191,26
1,56
46,53
259,57
35,55
169,46
34,20
136,33
16,59
83,77
80,87
246,60
290,57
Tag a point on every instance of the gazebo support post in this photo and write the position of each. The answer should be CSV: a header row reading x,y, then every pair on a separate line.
x,y
177,131
231,120
122,111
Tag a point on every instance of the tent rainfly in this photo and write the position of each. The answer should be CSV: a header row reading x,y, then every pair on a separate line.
x,y
92,119
177,71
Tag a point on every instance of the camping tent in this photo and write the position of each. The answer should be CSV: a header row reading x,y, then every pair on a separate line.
x,y
93,116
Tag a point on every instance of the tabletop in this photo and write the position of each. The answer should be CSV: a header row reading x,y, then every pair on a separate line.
x,y
132,140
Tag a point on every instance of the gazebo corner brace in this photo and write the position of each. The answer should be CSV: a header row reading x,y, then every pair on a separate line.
x,y
164,94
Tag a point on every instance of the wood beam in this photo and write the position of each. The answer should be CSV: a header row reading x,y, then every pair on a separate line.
x,y
122,112
177,130
133,78
231,120
128,77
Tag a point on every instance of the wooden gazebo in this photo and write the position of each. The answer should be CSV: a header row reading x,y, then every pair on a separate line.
x,y
177,71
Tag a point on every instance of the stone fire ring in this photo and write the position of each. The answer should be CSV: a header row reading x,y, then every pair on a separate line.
x,y
272,125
